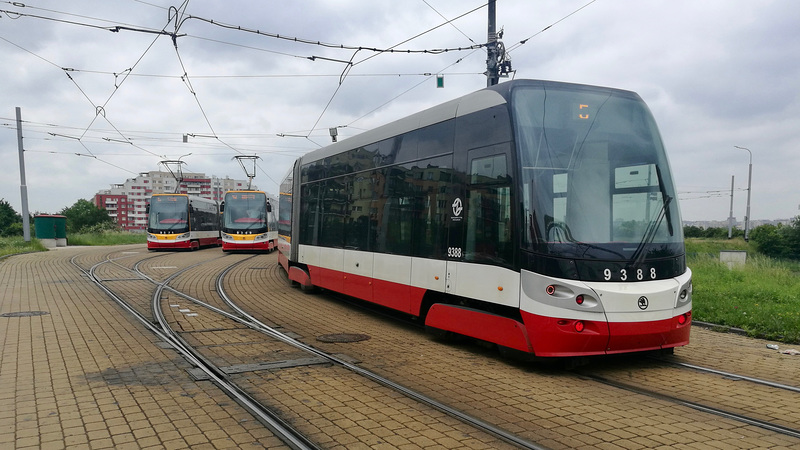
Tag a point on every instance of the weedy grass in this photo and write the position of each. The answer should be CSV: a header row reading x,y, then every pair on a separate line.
x,y
106,238
762,297
16,244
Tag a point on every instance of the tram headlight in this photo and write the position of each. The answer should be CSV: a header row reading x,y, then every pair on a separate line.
x,y
152,237
261,237
685,294
182,236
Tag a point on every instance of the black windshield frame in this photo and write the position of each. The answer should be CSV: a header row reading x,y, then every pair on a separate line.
x,y
595,183
168,214
245,212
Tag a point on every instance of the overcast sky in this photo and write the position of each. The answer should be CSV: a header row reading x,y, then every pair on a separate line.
x,y
99,107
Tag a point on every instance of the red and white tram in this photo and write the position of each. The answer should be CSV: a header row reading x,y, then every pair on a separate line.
x,y
249,222
180,221
540,216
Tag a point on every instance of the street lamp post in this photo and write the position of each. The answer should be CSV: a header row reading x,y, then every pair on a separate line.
x,y
749,178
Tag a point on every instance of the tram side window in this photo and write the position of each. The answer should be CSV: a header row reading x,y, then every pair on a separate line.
x,y
334,204
310,214
285,214
394,230
361,222
201,218
435,139
431,206
489,211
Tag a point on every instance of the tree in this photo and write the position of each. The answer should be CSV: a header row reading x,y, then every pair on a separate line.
x,y
778,241
84,215
10,221
768,239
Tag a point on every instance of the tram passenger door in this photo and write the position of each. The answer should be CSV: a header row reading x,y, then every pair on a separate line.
x,y
484,231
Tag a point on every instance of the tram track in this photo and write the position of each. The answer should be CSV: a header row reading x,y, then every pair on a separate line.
x,y
777,428
415,395
705,389
160,326
290,436
231,292
732,376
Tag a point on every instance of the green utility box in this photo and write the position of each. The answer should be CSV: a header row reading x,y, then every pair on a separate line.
x,y
51,230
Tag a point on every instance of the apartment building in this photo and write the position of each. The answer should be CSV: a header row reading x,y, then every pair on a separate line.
x,y
126,202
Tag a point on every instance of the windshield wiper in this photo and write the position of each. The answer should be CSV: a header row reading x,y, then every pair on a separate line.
x,y
652,227
650,232
667,199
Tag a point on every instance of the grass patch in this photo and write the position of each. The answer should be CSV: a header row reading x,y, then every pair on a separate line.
x,y
762,297
106,238
16,244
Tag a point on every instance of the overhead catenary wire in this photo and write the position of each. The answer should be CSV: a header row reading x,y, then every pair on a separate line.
x,y
177,20
525,41
349,67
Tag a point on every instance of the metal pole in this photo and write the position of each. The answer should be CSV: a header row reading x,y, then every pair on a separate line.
x,y
749,179
730,216
747,218
492,76
23,187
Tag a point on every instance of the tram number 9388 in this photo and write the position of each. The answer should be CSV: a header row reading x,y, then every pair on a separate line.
x,y
625,275
454,252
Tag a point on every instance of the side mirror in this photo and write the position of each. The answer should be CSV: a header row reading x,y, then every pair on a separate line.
x,y
222,207
147,208
269,207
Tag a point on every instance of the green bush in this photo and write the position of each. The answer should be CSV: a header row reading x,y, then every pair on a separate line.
x,y
778,241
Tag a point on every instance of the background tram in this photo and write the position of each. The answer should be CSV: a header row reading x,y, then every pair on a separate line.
x,y
180,221
539,216
249,221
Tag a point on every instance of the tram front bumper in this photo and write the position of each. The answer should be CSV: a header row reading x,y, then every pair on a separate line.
x,y
558,337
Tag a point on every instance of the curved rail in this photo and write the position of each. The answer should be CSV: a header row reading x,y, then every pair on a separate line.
x,y
285,432
254,323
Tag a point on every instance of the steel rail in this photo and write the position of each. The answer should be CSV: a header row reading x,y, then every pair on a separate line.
x,y
699,407
285,432
460,415
732,375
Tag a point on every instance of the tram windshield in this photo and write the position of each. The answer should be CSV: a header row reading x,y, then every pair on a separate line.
x,y
245,211
168,213
596,183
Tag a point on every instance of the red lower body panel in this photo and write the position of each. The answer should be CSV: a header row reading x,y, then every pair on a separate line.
x,y
283,261
209,241
397,296
197,243
626,337
552,336
167,245
480,325
251,246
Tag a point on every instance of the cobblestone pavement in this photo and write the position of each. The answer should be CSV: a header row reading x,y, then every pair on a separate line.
x,y
77,372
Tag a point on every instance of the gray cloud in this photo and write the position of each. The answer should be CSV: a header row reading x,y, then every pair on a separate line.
x,y
715,73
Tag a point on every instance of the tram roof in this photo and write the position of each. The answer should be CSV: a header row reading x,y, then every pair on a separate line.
x,y
470,103
475,101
